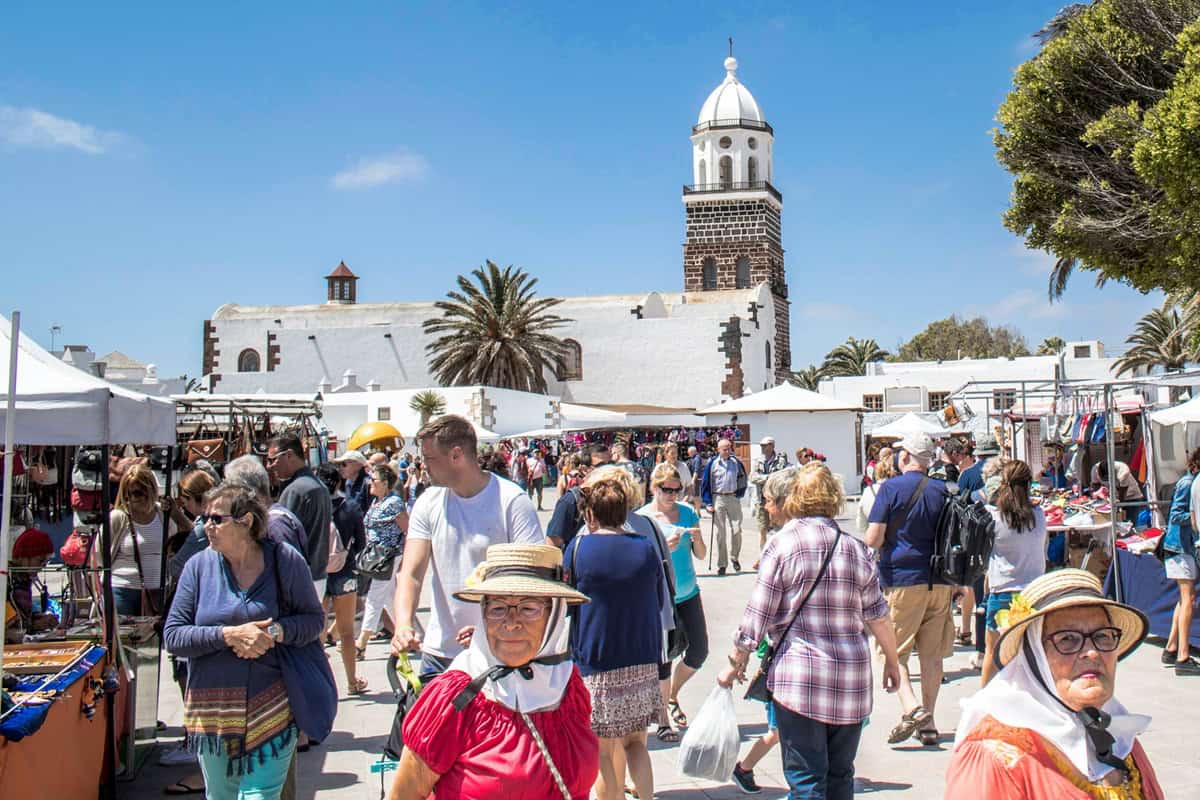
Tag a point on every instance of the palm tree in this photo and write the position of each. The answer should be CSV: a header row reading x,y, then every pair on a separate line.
x,y
495,333
1163,338
1051,346
852,357
807,378
428,404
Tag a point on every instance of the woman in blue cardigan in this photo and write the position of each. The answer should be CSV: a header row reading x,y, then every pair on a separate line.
x,y
1179,546
228,621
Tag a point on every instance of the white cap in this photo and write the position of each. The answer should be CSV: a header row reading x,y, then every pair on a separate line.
x,y
351,455
767,440
917,444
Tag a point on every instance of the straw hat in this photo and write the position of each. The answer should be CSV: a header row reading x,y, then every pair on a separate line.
x,y
520,570
1066,588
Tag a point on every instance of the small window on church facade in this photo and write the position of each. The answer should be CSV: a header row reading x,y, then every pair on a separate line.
x,y
708,275
384,413
570,366
726,172
742,274
703,173
752,170
770,366
248,361
872,402
726,142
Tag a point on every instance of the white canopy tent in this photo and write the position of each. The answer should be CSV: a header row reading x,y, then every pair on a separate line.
x,y
796,418
1176,432
907,425
57,404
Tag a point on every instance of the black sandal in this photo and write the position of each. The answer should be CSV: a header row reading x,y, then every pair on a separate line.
x,y
667,734
909,724
677,715
179,788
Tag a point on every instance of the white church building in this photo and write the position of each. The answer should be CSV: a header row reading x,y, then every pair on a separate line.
x,y
727,321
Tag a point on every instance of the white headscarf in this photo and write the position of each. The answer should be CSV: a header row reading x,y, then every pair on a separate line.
x,y
1015,697
549,681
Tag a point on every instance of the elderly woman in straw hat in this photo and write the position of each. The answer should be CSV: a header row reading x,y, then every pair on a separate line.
x,y
1048,725
511,717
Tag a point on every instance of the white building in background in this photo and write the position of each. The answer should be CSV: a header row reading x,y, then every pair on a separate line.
x,y
891,389
724,335
124,371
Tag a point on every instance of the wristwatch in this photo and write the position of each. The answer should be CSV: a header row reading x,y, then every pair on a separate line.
x,y
276,631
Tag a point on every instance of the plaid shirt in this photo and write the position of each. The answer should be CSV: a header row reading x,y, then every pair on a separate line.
x,y
822,670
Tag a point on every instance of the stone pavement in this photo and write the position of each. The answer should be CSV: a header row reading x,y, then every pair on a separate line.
x,y
339,769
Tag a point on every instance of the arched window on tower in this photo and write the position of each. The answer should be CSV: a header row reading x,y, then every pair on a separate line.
x,y
703,173
770,366
708,275
742,273
752,170
570,365
248,361
726,172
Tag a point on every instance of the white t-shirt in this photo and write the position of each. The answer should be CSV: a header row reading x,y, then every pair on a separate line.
x,y
460,530
685,477
150,547
1017,557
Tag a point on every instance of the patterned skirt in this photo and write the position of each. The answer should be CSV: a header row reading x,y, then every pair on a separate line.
x,y
624,700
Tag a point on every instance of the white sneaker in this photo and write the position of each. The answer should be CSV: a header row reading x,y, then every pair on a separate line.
x,y
176,756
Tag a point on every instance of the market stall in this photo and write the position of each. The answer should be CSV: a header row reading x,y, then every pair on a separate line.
x,y
47,402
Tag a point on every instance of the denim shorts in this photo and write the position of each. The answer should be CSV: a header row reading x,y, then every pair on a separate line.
x,y
996,602
339,583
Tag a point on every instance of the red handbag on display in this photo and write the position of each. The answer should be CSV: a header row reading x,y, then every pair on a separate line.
x,y
74,552
83,500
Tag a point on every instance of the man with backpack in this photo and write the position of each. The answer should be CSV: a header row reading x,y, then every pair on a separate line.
x,y
566,520
903,526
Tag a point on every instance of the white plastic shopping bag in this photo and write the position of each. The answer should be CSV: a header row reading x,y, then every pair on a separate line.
x,y
710,747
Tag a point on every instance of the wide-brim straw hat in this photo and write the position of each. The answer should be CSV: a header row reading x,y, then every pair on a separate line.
x,y
520,570
1067,588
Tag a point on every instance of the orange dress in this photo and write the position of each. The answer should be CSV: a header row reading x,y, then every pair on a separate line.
x,y
998,762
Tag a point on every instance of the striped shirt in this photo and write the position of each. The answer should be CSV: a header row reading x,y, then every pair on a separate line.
x,y
822,669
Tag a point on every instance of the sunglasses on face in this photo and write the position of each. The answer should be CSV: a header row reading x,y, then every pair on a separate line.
x,y
1068,643
527,611
670,489
215,519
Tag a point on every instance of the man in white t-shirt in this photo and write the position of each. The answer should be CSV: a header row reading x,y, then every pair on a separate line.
x,y
451,527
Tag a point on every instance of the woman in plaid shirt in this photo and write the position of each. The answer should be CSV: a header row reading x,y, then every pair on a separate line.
x,y
820,678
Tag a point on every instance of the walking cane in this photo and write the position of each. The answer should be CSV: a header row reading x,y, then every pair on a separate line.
x,y
712,533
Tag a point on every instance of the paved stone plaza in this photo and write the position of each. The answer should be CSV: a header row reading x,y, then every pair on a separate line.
x,y
340,767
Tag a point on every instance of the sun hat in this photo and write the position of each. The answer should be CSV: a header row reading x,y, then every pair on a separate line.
x,y
33,543
1065,588
766,440
917,444
987,445
351,455
522,570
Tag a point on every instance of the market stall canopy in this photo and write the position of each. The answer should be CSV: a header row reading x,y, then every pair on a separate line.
x,y
378,434
907,425
1180,414
784,397
575,417
57,404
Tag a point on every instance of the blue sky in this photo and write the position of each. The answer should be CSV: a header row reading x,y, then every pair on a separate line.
x,y
158,160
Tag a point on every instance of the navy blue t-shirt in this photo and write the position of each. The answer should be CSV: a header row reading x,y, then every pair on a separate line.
x,y
621,626
905,560
971,480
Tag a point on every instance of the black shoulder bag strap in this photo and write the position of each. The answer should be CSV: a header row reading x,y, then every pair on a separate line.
x,y
895,522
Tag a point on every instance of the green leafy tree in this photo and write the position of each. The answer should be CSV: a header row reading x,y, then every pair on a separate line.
x,y
1050,346
427,404
1164,338
852,357
495,332
952,338
1102,137
807,378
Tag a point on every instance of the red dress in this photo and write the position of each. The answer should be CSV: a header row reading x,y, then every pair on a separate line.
x,y
486,752
999,762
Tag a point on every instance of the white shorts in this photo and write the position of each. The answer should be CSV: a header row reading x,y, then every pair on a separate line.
x,y
1181,567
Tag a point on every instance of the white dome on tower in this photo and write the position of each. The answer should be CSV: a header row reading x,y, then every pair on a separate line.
x,y
730,101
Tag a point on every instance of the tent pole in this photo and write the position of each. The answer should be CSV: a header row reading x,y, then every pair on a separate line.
x,y
10,424
1110,455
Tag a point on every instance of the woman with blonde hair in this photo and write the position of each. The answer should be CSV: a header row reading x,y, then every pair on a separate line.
x,y
141,525
885,467
820,675
617,639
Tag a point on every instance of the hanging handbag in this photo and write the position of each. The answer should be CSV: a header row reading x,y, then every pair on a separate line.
x,y
152,599
758,690
84,500
75,550
203,445
306,673
377,561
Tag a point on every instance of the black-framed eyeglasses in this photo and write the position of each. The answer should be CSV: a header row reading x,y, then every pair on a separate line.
x,y
670,489
215,519
1068,643
527,611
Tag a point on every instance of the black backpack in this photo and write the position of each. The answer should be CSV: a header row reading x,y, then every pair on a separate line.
x,y
966,532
